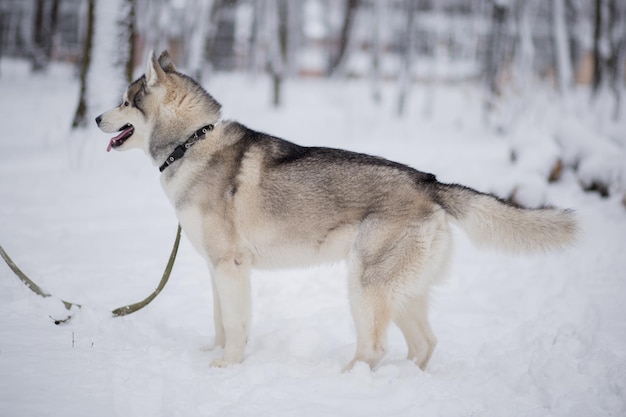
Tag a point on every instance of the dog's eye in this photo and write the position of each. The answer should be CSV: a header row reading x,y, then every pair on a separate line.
x,y
126,104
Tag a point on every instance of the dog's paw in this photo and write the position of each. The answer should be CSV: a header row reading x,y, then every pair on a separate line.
x,y
222,363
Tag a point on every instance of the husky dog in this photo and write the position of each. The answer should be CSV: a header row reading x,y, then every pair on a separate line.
x,y
247,200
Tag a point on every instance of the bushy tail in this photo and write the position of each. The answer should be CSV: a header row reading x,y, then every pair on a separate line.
x,y
491,222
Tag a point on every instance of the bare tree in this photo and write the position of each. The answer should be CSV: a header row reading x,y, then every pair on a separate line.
x,y
278,18
127,31
561,46
338,60
151,23
597,51
80,119
495,53
405,76
377,17
574,15
216,11
609,49
255,44
617,57
199,26
44,30
525,50
3,18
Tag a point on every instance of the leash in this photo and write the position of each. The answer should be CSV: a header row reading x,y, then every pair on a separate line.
x,y
177,154
118,312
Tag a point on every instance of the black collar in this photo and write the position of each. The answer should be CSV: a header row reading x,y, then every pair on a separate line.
x,y
180,150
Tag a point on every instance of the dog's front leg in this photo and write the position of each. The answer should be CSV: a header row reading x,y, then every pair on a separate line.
x,y
220,337
231,280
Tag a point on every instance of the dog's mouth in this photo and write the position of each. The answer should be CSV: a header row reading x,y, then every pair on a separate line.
x,y
126,132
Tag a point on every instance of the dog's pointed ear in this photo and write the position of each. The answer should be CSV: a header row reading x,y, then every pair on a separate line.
x,y
154,71
165,60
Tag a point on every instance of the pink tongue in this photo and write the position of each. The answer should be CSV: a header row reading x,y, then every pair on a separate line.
x,y
122,133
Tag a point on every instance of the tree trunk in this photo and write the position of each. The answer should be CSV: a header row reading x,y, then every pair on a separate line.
x,y
199,22
54,23
405,76
278,57
255,64
337,62
597,53
81,109
617,59
276,25
525,50
561,46
127,25
573,17
495,55
46,19
2,25
377,46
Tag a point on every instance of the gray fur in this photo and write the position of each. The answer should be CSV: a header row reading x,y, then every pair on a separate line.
x,y
248,200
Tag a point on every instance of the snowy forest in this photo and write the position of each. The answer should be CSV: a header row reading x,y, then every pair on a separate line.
x,y
509,48
524,99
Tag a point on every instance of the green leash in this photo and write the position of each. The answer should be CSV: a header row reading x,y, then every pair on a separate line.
x,y
118,312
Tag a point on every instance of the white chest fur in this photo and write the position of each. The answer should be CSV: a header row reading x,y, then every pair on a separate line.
x,y
191,220
189,215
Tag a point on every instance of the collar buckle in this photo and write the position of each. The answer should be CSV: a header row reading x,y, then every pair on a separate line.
x,y
180,150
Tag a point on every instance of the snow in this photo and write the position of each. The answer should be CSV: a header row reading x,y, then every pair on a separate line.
x,y
599,160
518,336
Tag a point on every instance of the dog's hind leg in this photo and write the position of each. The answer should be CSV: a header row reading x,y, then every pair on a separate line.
x,y
412,319
369,276
371,311
430,261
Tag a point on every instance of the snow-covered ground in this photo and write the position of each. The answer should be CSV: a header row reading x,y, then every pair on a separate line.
x,y
518,336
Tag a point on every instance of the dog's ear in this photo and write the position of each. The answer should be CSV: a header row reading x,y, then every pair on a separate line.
x,y
165,60
154,71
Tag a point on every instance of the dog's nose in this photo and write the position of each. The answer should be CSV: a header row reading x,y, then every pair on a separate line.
x,y
98,120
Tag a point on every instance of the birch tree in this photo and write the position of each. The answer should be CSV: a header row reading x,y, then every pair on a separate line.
x,y
406,69
127,30
561,46
199,26
609,49
525,51
152,23
495,54
378,16
257,38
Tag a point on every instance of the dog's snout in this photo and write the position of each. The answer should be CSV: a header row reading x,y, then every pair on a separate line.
x,y
98,120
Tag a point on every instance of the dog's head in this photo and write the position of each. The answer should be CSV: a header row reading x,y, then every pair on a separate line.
x,y
159,110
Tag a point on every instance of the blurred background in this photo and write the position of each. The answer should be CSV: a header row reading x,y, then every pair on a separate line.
x,y
517,57
499,43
